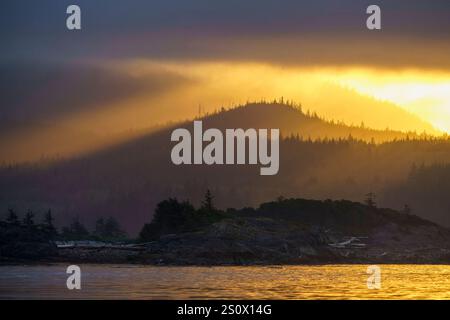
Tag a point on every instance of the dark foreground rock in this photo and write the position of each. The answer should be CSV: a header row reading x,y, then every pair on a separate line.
x,y
293,231
267,241
250,241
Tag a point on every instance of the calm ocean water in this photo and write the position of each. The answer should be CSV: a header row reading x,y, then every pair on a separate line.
x,y
289,282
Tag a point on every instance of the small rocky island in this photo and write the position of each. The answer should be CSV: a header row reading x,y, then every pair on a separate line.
x,y
285,231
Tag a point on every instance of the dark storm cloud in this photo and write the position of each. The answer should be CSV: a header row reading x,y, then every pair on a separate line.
x,y
194,28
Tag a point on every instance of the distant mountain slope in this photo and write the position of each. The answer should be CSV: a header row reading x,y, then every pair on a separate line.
x,y
127,180
34,139
292,120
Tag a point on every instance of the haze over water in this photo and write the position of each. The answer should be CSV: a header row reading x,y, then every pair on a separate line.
x,y
278,282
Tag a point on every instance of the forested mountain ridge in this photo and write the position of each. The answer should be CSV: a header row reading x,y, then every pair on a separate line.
x,y
318,160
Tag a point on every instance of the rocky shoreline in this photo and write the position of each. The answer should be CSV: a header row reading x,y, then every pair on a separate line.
x,y
253,241
290,232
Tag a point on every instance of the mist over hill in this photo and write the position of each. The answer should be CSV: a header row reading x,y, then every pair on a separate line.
x,y
375,113
318,159
294,121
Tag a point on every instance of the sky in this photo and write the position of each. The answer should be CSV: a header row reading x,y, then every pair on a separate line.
x,y
140,62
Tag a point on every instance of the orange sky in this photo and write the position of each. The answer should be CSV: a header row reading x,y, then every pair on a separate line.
x,y
141,63
335,93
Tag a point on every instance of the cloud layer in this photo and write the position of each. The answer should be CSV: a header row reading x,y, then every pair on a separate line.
x,y
415,33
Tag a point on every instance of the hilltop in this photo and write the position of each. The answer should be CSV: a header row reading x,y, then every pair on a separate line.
x,y
293,120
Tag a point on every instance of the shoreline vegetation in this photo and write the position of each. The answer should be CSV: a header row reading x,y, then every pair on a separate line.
x,y
281,232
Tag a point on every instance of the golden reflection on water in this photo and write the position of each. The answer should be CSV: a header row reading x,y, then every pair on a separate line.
x,y
286,282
